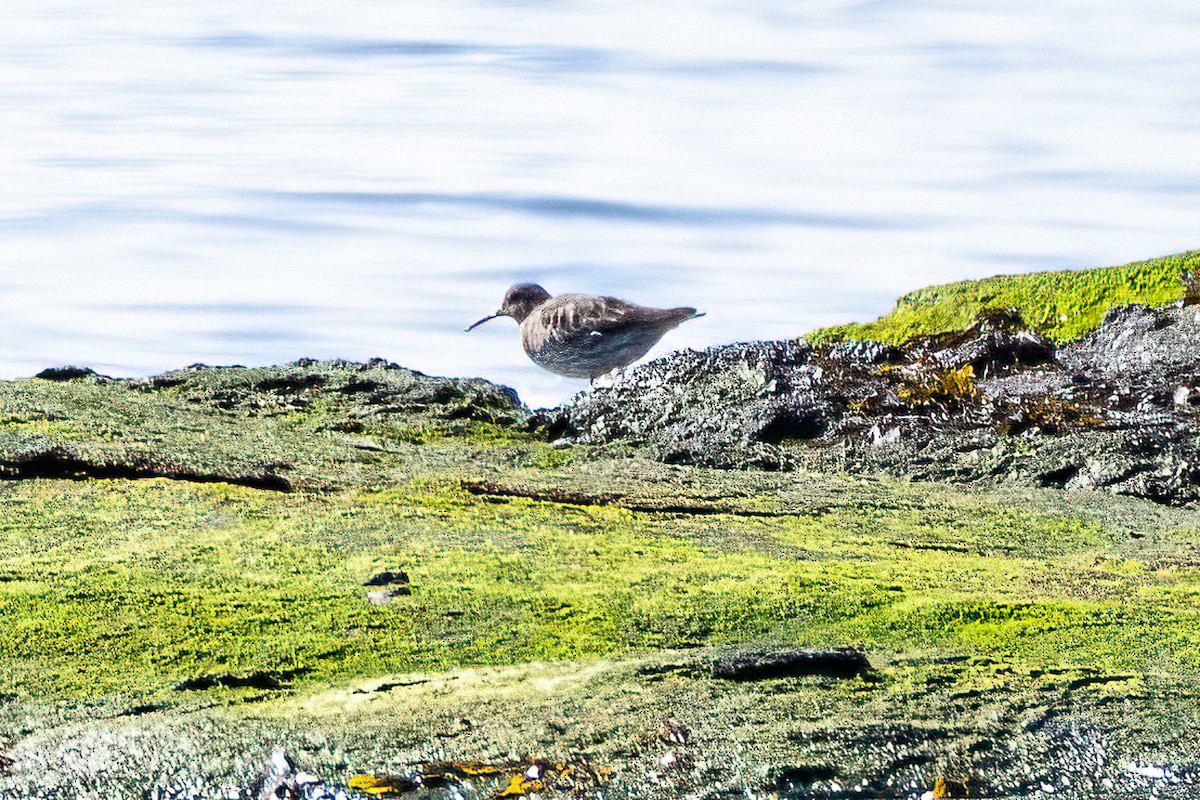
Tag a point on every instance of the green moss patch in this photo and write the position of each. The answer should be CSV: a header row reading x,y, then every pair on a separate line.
x,y
1061,305
135,587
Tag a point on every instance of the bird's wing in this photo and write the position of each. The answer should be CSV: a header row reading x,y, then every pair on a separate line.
x,y
568,315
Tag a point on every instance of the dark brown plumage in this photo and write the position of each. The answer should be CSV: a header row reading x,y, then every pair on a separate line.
x,y
584,335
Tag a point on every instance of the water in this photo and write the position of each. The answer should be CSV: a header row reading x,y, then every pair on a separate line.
x,y
228,182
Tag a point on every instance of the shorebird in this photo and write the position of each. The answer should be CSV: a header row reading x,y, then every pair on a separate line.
x,y
584,335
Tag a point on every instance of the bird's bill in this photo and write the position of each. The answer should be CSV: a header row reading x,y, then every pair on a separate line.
x,y
485,319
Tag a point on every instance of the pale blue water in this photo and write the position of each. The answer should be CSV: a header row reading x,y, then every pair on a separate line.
x,y
229,182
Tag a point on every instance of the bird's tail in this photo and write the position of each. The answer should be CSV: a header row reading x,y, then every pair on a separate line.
x,y
685,313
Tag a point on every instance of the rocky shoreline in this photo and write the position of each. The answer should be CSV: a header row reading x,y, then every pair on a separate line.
x,y
1116,411
959,566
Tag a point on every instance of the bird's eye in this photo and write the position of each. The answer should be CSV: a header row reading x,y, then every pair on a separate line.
x,y
597,333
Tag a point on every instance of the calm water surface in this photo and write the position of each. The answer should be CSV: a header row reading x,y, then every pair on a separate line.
x,y
229,182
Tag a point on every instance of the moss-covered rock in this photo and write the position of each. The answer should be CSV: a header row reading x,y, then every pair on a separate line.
x,y
1061,306
311,425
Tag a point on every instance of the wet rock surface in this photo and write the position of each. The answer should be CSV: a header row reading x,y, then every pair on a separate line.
x,y
1116,411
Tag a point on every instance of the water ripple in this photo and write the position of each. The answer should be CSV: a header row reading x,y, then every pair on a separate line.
x,y
75,216
566,207
547,58
542,59
226,308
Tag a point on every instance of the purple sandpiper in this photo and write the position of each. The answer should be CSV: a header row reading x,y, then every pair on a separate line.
x,y
584,335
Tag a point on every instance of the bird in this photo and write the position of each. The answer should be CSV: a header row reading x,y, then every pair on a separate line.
x,y
585,335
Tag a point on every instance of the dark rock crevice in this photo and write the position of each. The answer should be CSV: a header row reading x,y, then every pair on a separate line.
x,y
266,680
500,492
61,463
766,665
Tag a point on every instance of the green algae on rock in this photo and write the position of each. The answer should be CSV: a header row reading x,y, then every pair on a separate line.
x,y
313,425
1062,306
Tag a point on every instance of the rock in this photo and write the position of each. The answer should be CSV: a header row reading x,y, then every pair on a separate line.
x,y
387,577
374,390
1139,345
395,583
991,403
798,777
280,780
997,342
757,666
67,373
262,679
311,425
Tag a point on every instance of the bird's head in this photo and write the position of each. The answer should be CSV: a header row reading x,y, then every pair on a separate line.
x,y
518,301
